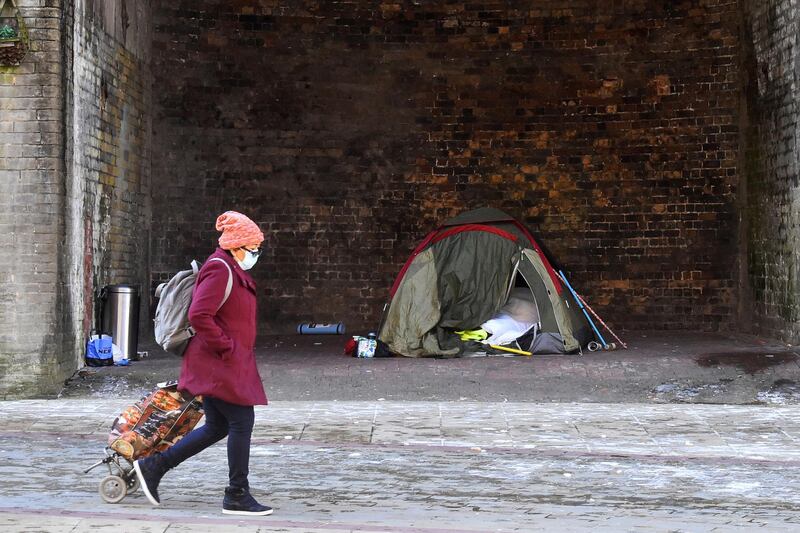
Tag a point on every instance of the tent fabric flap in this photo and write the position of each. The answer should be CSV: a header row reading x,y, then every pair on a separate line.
x,y
559,310
458,283
414,310
570,321
474,270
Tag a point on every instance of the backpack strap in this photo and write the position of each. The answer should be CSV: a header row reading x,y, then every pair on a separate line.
x,y
229,287
161,286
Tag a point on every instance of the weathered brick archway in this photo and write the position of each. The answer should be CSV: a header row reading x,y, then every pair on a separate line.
x,y
652,148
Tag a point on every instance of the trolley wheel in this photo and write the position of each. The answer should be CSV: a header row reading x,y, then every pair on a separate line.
x,y
113,489
133,482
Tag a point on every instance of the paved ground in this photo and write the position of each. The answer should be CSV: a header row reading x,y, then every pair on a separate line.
x,y
682,432
659,367
429,467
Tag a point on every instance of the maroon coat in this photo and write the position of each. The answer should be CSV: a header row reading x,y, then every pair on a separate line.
x,y
219,360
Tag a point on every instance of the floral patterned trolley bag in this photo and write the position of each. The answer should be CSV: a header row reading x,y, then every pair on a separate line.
x,y
151,425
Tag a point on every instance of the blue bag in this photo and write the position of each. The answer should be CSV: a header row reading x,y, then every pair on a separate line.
x,y
99,351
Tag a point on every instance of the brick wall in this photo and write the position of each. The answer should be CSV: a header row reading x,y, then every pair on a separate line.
x,y
349,129
770,201
108,153
31,221
74,187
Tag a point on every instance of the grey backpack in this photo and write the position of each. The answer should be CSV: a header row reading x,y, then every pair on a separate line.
x,y
171,324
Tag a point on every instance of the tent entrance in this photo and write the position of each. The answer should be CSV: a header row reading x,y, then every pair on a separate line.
x,y
557,333
517,322
522,289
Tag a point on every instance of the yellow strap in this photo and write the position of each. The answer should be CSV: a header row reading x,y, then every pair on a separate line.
x,y
511,350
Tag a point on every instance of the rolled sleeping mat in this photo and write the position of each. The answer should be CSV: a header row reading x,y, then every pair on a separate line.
x,y
311,328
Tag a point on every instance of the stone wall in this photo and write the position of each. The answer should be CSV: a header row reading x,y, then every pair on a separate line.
x,y
350,129
74,181
770,302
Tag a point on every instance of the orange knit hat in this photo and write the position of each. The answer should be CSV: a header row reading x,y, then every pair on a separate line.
x,y
237,231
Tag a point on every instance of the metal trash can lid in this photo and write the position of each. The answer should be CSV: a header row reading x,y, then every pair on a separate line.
x,y
123,288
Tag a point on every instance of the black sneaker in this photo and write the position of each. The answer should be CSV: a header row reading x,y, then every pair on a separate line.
x,y
150,471
240,502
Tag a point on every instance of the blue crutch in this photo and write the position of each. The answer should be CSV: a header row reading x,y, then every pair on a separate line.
x,y
580,304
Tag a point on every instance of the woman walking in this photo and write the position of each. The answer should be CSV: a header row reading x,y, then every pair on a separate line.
x,y
219,364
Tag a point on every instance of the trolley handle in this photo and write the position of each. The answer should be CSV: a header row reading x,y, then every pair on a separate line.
x,y
108,459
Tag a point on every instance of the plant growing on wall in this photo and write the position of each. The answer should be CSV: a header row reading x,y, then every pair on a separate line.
x,y
13,34
7,33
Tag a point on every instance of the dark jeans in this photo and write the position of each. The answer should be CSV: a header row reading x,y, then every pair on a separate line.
x,y
222,419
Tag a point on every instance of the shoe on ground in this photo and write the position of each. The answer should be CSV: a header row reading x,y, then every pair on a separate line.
x,y
240,502
150,471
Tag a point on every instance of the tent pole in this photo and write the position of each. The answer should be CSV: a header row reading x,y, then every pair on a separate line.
x,y
579,300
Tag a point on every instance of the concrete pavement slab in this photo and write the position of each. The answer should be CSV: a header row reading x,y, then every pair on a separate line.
x,y
110,525
23,522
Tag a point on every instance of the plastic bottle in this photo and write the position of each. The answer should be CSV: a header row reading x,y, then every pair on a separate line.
x,y
366,346
372,345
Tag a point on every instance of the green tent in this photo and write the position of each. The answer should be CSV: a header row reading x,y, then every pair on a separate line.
x,y
464,274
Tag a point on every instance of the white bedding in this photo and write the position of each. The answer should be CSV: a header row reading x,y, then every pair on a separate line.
x,y
514,319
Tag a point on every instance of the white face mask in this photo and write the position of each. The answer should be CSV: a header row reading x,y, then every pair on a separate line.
x,y
249,260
